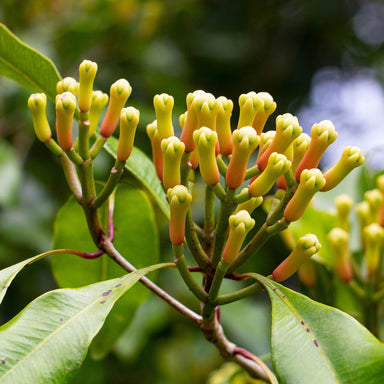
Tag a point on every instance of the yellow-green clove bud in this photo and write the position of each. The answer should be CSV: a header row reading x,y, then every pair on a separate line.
x,y
249,104
245,141
250,205
343,207
323,135
206,110
65,109
311,181
87,72
173,150
205,140
351,158
179,201
223,125
299,147
157,154
68,84
307,273
99,101
306,247
374,240
262,114
266,139
287,130
129,118
118,95
239,226
338,240
37,104
191,122
375,199
277,165
163,108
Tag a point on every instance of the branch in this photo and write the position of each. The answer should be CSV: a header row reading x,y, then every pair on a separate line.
x,y
214,333
111,251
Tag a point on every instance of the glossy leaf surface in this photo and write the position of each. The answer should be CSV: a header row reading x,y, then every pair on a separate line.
x,y
48,340
26,66
317,344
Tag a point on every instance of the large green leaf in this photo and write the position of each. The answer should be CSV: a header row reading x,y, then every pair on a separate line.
x,y
142,168
28,67
136,238
47,341
317,344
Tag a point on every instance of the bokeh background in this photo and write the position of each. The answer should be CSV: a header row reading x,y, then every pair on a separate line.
x,y
320,59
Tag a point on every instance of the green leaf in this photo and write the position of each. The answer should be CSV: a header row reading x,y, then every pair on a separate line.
x,y
26,66
317,344
142,168
136,237
48,340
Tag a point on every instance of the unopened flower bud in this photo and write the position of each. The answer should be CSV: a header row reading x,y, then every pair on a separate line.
x,y
245,141
118,95
307,273
350,159
87,72
374,240
37,104
173,150
338,240
343,207
65,109
265,141
129,118
206,110
380,185
277,165
262,114
223,125
375,199
157,154
311,181
68,84
206,140
299,147
250,205
99,101
163,108
249,104
323,135
239,226
306,247
179,201
364,215
287,130
191,122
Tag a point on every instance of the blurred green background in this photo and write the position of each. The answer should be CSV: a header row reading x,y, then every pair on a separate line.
x,y
320,59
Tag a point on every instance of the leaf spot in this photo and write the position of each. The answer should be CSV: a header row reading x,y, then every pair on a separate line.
x,y
106,293
302,322
61,319
118,285
308,330
3,361
102,302
316,343
6,287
